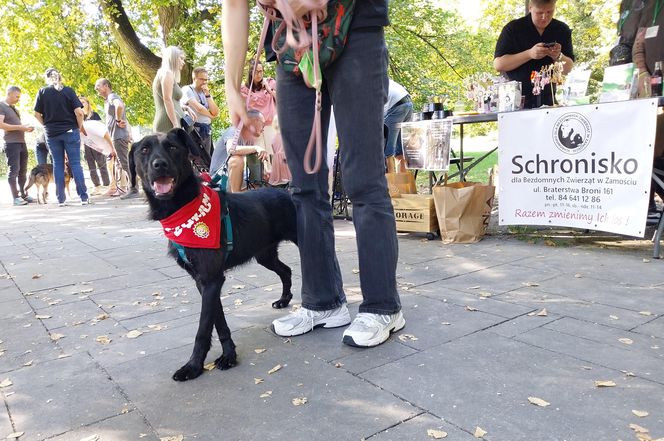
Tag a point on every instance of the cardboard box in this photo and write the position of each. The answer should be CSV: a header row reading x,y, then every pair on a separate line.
x,y
415,213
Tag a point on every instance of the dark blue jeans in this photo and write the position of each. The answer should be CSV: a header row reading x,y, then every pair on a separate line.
x,y
356,84
393,117
70,143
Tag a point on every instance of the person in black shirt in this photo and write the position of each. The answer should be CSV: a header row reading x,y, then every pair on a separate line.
x,y
531,42
60,111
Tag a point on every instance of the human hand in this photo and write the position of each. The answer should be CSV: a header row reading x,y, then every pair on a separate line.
x,y
205,89
643,83
83,131
262,154
191,113
236,109
27,128
121,123
539,51
555,51
299,7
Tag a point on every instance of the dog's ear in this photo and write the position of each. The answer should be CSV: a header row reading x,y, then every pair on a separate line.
x,y
132,162
194,149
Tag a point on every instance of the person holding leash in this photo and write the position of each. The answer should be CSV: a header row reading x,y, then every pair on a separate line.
x,y
356,84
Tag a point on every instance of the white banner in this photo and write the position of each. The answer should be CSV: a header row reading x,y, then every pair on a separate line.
x,y
583,166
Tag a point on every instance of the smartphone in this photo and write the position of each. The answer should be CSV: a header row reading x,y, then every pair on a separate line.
x,y
552,44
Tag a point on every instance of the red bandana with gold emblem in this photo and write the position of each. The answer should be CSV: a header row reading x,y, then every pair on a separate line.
x,y
197,224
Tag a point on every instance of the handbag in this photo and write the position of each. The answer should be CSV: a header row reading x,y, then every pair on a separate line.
x,y
463,210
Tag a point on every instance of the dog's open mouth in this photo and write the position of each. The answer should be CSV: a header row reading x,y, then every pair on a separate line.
x,y
163,185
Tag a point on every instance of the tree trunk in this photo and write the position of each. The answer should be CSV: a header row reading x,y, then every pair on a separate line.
x,y
144,62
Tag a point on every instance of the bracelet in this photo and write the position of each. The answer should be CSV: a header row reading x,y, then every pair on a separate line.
x,y
208,96
560,56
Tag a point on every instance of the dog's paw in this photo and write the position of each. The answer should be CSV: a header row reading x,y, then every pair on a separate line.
x,y
187,372
226,361
282,302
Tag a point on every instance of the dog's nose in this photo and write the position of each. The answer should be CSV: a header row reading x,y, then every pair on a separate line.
x,y
159,164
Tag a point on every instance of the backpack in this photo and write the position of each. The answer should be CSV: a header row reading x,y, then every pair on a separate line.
x,y
332,35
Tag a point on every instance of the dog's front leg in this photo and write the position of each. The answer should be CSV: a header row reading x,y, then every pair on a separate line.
x,y
210,310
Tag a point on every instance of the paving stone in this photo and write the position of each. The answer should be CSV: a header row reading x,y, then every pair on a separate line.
x,y
10,294
521,324
479,381
416,429
60,395
22,344
587,351
5,423
639,344
654,327
576,308
127,426
362,409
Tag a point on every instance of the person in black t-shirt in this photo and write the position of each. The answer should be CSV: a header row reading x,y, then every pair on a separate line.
x,y
531,42
60,111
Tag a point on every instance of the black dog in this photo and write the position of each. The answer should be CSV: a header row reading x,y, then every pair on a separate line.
x,y
260,220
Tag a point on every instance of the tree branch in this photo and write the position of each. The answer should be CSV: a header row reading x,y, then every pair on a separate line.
x,y
431,45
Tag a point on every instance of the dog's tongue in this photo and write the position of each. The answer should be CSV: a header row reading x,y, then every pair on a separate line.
x,y
162,185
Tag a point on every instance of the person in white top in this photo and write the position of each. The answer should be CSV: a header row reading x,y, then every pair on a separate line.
x,y
198,98
398,108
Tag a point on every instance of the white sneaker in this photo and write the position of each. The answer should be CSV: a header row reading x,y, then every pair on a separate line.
x,y
305,320
372,329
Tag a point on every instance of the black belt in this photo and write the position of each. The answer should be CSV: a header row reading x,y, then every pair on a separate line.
x,y
403,100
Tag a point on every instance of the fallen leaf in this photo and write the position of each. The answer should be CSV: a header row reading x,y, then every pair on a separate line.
x,y
36,276
406,337
258,380
538,402
210,366
531,284
28,363
172,438
475,287
299,401
237,302
42,316
436,434
638,429
85,291
470,308
134,334
646,313
338,365
588,368
485,294
266,394
5,383
64,356
548,243
90,438
15,435
260,350
479,432
646,260
613,317
124,410
604,383
542,313
55,336
640,413
238,286
268,289
446,323
103,316
627,341
103,339
274,369
578,276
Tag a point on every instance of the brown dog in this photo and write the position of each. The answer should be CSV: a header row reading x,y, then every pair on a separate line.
x,y
41,176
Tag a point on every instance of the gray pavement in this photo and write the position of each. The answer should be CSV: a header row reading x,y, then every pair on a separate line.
x,y
75,281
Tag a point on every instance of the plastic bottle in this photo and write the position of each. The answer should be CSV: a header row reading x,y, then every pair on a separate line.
x,y
656,81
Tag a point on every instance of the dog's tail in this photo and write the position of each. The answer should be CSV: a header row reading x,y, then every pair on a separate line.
x,y
31,180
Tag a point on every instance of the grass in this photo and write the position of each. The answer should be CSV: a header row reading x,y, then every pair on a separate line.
x,y
479,173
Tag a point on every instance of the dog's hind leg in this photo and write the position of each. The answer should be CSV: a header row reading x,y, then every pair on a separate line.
x,y
269,258
210,311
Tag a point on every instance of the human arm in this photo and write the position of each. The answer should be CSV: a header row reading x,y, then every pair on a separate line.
x,y
108,140
39,117
80,117
270,86
639,59
509,62
119,112
235,32
167,82
244,150
14,127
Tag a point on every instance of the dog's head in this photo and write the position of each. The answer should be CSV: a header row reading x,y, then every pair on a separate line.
x,y
162,162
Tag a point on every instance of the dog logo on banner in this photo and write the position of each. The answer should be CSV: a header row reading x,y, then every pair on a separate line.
x,y
572,133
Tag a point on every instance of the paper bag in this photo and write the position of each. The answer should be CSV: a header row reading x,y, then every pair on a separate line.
x,y
463,210
400,183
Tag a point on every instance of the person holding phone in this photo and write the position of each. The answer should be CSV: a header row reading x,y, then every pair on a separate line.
x,y
531,42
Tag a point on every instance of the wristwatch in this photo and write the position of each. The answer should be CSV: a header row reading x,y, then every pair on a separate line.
x,y
560,56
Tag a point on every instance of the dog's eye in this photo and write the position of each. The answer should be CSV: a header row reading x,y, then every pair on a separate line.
x,y
145,150
172,147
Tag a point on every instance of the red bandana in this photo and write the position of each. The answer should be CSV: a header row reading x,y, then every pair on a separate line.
x,y
197,224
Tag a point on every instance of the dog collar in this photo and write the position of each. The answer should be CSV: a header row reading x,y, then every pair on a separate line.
x,y
197,224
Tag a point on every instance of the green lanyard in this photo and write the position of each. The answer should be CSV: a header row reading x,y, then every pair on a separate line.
x,y
623,17
658,8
